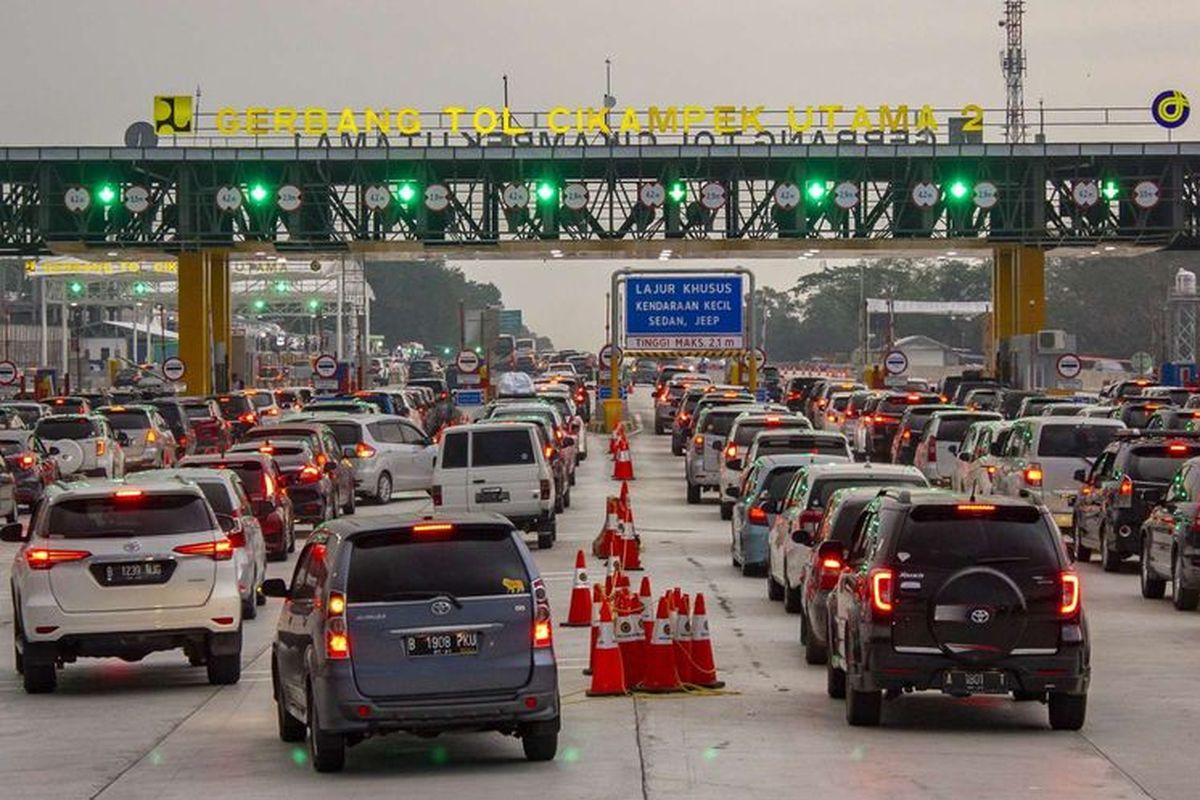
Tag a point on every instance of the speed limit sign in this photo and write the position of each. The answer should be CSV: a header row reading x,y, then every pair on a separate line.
x,y
8,373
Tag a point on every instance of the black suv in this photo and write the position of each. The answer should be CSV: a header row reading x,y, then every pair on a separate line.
x,y
1171,541
1124,484
965,597
418,624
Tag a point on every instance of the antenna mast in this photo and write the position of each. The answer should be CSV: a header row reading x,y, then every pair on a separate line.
x,y
1012,64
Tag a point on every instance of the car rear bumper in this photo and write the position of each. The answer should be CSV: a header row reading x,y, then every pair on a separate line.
x,y
755,545
57,625
1067,670
308,503
133,644
343,709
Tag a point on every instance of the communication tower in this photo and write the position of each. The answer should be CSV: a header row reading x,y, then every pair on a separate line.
x,y
1012,64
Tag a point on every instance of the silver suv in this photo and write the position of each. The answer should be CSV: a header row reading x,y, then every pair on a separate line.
x,y
417,624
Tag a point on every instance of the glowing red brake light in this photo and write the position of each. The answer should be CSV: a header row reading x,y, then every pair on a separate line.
x,y
1070,594
828,574
219,550
731,451
249,418
363,450
27,460
1126,487
41,558
126,494
237,538
433,527
1177,448
310,473
268,485
881,590
1033,475
757,515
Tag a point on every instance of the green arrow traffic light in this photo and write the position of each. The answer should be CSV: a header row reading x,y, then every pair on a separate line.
x,y
677,192
1110,190
260,304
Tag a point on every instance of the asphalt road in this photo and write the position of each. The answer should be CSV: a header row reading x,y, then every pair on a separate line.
x,y
156,729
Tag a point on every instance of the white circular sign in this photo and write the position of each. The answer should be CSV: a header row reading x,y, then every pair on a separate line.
x,y
8,373
229,198
376,197
925,195
467,361
986,194
712,195
575,196
77,199
1146,194
895,362
173,368
289,198
1068,365
515,195
137,199
437,197
845,195
1085,193
606,356
325,366
787,195
652,195
760,357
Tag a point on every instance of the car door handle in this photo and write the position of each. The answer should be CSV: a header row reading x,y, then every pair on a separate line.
x,y
479,480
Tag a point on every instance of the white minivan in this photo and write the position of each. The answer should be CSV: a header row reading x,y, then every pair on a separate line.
x,y
498,467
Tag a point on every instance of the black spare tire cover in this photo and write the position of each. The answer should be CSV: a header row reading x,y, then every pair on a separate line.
x,y
978,616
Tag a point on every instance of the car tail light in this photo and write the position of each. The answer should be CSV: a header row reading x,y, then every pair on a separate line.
x,y
906,435
322,459
101,447
882,581
218,550
830,568
793,395
268,485
363,450
731,451
182,440
433,527
543,635
1033,475
1126,487
44,558
337,639
309,473
249,418
975,508
757,515
273,411
831,417
435,493
1070,594
27,460
991,469
236,537
549,451
931,451
151,437
545,485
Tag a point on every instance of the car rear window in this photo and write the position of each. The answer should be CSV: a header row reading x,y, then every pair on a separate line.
x,y
454,451
170,413
778,481
951,429
198,412
1137,416
1159,464
145,515
128,420
54,429
1069,441
718,424
464,562
746,431
10,448
217,496
842,529
1036,406
346,433
839,403
501,448
941,537
823,488
250,473
898,404
261,400
286,454
817,445
233,405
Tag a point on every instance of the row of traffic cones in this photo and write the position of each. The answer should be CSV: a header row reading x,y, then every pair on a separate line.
x,y
618,537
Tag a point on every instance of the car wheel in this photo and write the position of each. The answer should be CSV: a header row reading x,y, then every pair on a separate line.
x,y
1184,599
327,750
290,728
676,451
260,599
224,669
571,478
835,680
383,489
693,494
249,609
1153,587
546,537
1067,711
1082,554
540,748
348,509
814,652
292,539
863,709
567,498
39,677
726,510
1109,560
752,570
12,515
793,598
774,587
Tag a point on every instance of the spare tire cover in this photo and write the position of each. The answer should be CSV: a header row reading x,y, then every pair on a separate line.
x,y
978,615
70,455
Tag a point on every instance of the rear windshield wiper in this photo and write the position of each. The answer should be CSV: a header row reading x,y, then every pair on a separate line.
x,y
415,595
1001,560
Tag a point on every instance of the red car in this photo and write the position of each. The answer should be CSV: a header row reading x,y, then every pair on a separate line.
x,y
211,431
264,484
32,467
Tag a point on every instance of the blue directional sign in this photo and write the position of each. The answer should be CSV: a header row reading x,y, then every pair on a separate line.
x,y
464,398
694,312
604,392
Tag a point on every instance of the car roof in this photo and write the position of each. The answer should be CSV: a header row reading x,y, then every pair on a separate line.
x,y
790,432
348,527
486,426
794,459
186,473
105,487
941,497
1072,421
198,459
863,470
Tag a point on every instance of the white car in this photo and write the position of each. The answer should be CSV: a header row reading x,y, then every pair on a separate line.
x,y
82,444
389,453
737,445
937,451
975,461
109,569
705,453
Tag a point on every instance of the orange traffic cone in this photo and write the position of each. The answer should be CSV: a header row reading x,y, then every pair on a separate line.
x,y
614,438
614,572
630,546
629,636
623,499
704,669
681,635
660,674
604,544
623,465
597,601
623,581
608,672
646,598
580,615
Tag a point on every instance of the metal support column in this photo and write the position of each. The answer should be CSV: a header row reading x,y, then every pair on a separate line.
x,y
1018,292
195,322
222,318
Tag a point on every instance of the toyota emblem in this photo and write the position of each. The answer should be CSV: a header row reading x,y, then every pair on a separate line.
x,y
981,616
440,607
132,546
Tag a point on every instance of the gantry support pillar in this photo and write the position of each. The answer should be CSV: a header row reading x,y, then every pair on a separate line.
x,y
205,320
1018,295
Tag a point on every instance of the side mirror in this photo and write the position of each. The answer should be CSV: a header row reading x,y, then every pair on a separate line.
x,y
331,465
1080,475
226,522
732,492
964,456
801,536
53,450
275,587
735,463
568,441
954,448
12,532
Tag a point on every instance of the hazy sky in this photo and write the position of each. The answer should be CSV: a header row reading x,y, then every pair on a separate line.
x,y
79,72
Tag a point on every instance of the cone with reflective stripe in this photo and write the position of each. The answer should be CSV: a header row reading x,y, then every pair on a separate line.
x,y
629,636
704,669
611,576
603,545
614,438
660,674
682,637
597,600
580,614
630,545
647,599
623,465
608,672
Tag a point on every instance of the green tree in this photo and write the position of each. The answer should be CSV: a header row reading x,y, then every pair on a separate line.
x,y
418,300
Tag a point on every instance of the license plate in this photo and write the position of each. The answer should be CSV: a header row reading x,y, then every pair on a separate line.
x,y
1063,520
132,573
975,681
492,496
453,643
